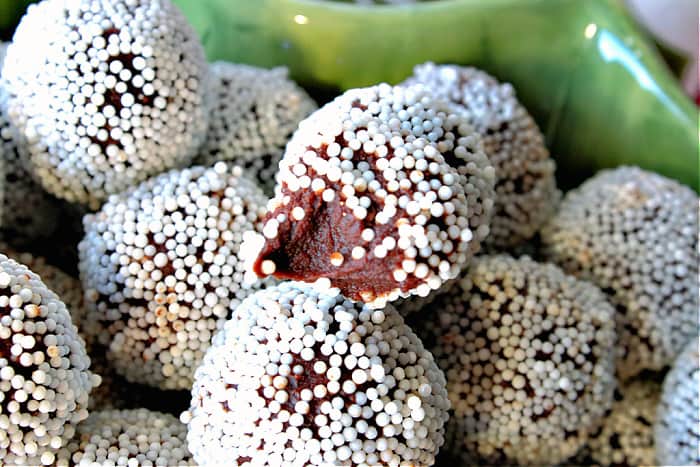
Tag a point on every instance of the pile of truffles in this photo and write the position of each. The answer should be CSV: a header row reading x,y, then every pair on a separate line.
x,y
302,376
115,91
203,241
160,269
385,191
526,351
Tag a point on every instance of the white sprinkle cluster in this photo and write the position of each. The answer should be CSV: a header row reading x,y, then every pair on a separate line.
x,y
106,92
298,377
626,437
529,357
253,113
44,376
136,437
160,270
677,428
526,191
635,235
378,159
26,211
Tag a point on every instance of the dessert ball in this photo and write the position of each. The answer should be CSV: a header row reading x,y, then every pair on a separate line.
x,y
634,234
303,376
106,92
528,353
253,113
626,437
137,437
677,428
160,270
26,211
367,197
526,191
44,375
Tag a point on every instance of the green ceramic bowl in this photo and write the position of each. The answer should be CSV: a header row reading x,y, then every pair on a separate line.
x,y
598,89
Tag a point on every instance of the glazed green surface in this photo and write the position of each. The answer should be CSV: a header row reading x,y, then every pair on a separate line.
x,y
599,91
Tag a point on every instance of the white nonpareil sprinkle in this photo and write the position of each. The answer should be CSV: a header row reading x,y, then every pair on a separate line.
x,y
160,269
378,159
137,437
370,395
252,114
44,376
627,434
526,192
635,235
529,357
26,211
677,428
106,93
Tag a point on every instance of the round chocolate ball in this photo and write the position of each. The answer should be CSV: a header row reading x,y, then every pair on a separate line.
x,y
303,376
106,93
160,269
634,234
368,197
528,353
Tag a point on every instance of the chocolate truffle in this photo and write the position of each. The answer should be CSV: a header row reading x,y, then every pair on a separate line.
x,y
253,113
136,437
106,92
677,428
526,191
528,355
367,197
26,211
303,376
160,270
634,234
44,375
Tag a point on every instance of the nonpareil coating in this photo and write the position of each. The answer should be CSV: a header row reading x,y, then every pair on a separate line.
x,y
367,197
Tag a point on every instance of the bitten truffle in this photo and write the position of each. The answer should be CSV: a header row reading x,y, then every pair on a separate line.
x,y
526,191
528,353
299,376
44,376
160,270
26,210
626,438
137,437
367,197
253,113
677,428
634,234
106,92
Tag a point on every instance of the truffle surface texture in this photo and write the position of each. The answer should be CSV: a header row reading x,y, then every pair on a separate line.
x,y
526,191
44,375
677,428
252,113
129,437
